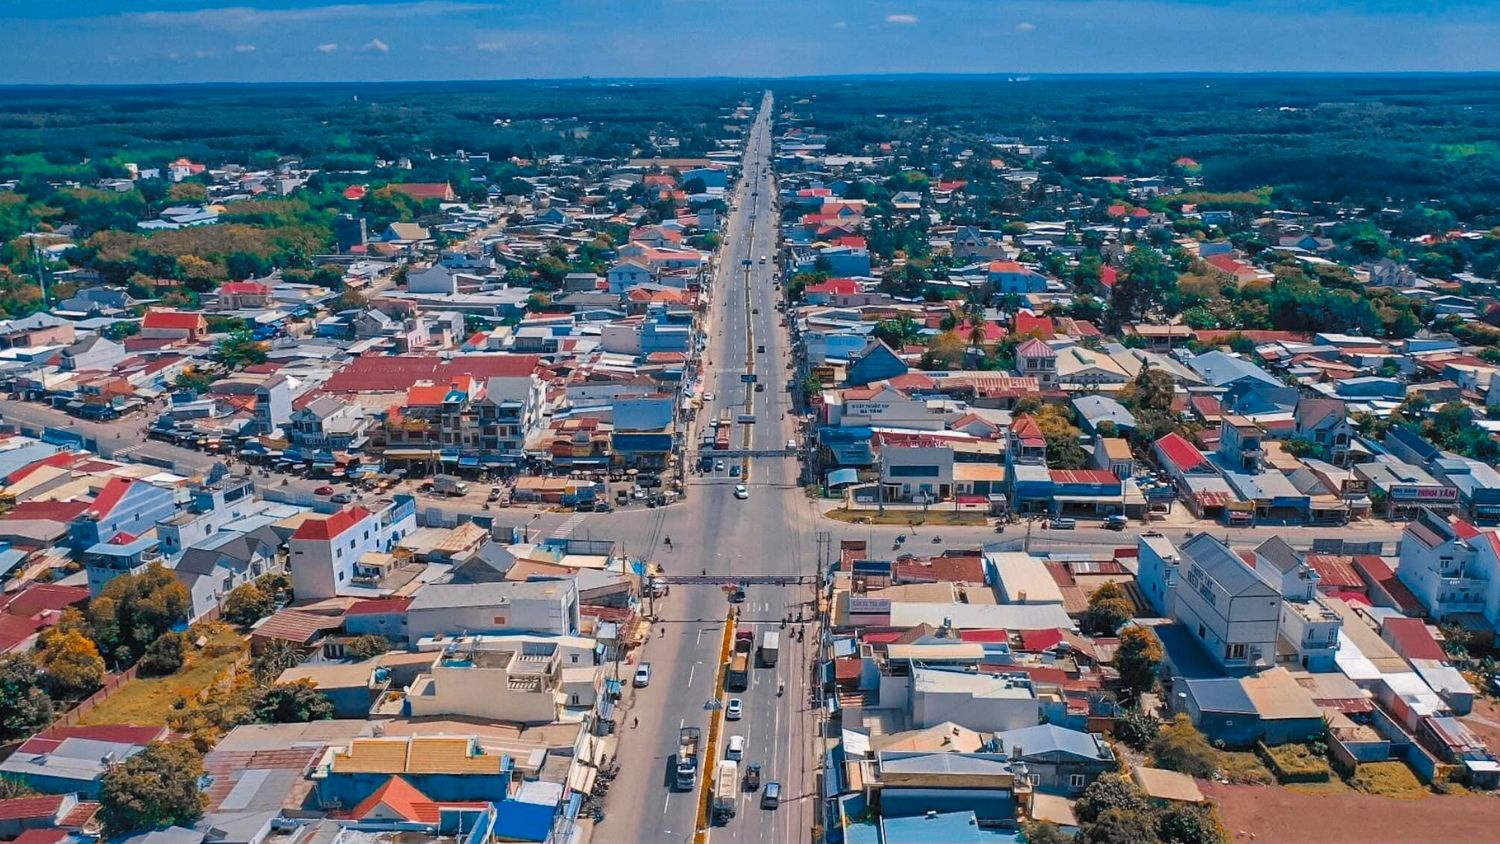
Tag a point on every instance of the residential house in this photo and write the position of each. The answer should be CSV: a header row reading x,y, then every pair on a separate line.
x,y
211,569
73,759
980,701
543,606
1229,608
1452,568
161,323
1011,278
1325,423
1060,761
325,550
1036,359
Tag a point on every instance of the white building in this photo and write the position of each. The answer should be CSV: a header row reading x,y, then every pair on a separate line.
x,y
1309,628
542,606
1451,567
984,702
324,550
1227,606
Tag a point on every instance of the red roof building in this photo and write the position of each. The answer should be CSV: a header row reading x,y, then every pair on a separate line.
x,y
166,323
425,191
329,528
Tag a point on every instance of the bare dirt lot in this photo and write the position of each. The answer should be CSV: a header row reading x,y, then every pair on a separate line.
x,y
1272,814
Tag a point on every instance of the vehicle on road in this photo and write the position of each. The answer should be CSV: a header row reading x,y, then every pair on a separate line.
x,y
752,776
760,387
323,490
1064,523
726,794
737,679
1116,522
494,494
746,262
760,349
734,471
603,507
718,465
643,675
342,498
734,710
770,645
791,445
762,259
687,757
771,797
449,485
708,396
735,749
740,492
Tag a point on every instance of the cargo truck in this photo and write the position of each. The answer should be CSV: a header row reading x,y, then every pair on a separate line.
x,y
449,485
687,758
726,793
770,643
738,678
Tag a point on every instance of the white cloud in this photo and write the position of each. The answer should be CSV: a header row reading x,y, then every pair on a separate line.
x,y
326,48
376,45
244,48
840,25
903,20
243,17
490,46
1025,26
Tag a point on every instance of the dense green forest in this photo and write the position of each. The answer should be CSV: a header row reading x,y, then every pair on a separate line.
x,y
52,131
1367,140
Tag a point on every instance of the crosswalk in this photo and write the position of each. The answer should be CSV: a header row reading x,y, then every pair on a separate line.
x,y
127,450
567,528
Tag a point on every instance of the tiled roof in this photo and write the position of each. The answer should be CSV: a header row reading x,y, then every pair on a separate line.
x,y
1182,453
48,740
109,497
30,807
416,755
296,626
180,320
402,798
397,372
332,526
1336,573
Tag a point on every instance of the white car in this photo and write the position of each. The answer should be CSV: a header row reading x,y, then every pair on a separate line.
x,y
708,396
740,492
735,749
734,710
643,675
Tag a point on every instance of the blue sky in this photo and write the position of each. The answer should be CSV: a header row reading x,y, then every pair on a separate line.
x,y
143,41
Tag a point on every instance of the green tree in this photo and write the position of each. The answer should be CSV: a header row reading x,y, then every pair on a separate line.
x,y
1144,283
24,706
241,348
164,655
1186,824
1042,832
274,658
367,646
1300,447
155,788
12,788
1137,728
288,703
247,604
1109,792
70,663
1180,747
134,609
193,379
1108,609
1137,658
1120,826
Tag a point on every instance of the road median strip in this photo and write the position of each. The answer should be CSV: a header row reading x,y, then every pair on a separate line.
x,y
715,721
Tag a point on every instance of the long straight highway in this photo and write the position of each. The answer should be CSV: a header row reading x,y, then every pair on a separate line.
x,y
769,533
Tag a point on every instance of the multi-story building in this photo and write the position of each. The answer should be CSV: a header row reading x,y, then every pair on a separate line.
x,y
465,424
544,606
324,550
1309,628
1451,567
1231,610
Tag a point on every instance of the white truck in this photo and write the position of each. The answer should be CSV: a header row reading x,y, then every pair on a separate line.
x,y
770,645
726,790
449,485
687,758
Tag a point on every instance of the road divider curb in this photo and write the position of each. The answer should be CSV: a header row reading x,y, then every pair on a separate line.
x,y
715,722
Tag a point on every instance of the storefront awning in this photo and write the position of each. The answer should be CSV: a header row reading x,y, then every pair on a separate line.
x,y
842,477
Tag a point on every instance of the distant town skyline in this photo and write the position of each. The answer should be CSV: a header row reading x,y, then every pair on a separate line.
x,y
165,41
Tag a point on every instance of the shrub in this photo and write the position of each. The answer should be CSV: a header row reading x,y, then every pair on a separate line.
x,y
1137,728
164,655
1180,747
248,604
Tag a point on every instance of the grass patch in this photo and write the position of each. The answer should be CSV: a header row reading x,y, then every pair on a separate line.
x,y
1244,767
148,700
906,517
1388,779
1333,788
1298,763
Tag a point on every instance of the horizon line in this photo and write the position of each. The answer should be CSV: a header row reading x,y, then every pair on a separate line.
x,y
1019,77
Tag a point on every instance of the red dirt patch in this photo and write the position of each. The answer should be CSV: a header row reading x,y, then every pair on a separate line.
x,y
1263,813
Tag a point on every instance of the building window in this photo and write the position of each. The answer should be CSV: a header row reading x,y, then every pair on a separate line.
x,y
1076,781
1234,652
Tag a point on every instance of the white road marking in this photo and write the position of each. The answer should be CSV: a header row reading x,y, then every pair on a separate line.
x,y
691,669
